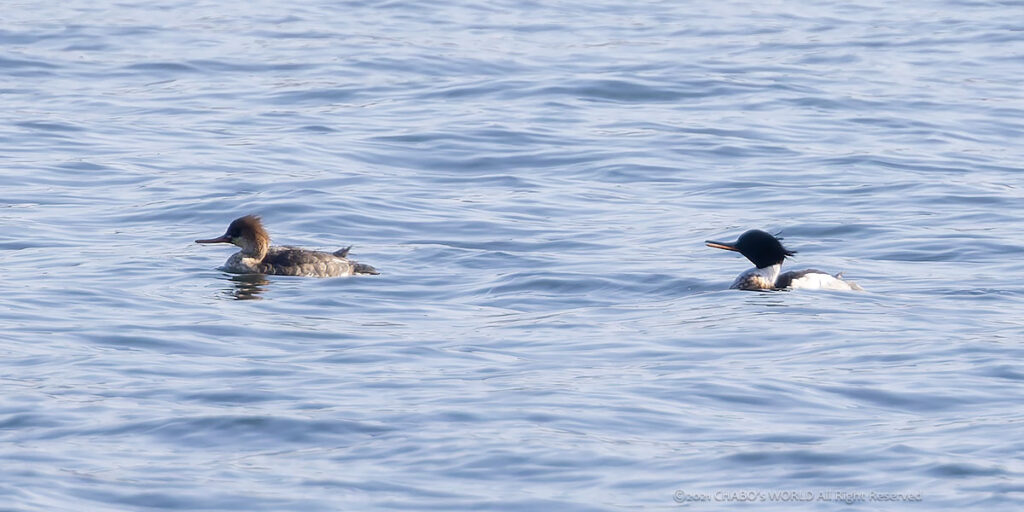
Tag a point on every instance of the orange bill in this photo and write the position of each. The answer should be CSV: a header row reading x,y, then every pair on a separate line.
x,y
720,245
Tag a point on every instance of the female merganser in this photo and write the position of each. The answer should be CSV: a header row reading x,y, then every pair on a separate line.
x,y
258,257
767,254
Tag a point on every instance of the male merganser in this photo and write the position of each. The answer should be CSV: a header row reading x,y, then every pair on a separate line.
x,y
767,254
258,257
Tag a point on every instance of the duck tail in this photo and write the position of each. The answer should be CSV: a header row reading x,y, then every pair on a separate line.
x,y
363,268
357,268
853,286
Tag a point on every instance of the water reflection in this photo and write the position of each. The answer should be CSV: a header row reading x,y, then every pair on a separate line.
x,y
247,286
769,298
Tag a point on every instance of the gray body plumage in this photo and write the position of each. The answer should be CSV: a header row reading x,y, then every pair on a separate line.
x,y
293,261
769,278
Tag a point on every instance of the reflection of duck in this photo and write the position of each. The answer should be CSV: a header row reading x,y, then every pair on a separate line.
x,y
248,286
258,257
767,254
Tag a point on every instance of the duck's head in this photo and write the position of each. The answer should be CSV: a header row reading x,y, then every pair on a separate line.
x,y
245,232
761,248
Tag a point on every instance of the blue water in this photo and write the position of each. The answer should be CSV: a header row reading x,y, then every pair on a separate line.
x,y
535,181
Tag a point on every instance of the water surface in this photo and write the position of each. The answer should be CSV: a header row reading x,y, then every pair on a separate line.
x,y
535,181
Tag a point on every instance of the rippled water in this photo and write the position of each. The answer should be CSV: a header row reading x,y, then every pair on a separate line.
x,y
535,181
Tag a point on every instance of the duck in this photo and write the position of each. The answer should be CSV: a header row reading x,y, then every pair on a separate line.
x,y
767,254
259,257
